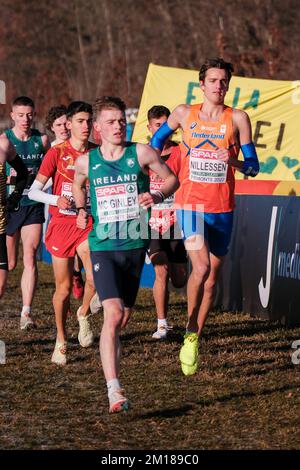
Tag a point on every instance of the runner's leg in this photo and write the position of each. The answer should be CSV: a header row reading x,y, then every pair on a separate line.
x,y
89,287
13,243
63,272
109,340
31,236
200,271
160,287
209,290
3,264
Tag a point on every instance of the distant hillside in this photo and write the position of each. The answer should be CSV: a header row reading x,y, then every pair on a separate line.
x,y
56,51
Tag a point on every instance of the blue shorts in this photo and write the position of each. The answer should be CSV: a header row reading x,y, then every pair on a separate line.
x,y
117,274
216,228
25,215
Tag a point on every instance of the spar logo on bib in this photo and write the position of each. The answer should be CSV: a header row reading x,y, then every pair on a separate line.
x,y
205,167
203,153
111,190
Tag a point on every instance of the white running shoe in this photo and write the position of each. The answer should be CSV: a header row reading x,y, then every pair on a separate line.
x,y
95,304
26,322
118,402
85,335
161,332
59,355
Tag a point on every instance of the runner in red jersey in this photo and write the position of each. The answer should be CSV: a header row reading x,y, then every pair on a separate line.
x,y
63,238
166,251
213,134
56,123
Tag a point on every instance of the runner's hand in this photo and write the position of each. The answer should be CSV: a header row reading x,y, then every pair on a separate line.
x,y
64,203
82,219
223,154
147,200
12,202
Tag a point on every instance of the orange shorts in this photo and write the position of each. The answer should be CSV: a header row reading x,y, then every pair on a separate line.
x,y
63,236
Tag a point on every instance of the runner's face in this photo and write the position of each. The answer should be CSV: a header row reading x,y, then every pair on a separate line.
x,y
80,126
22,117
59,127
111,123
155,123
215,85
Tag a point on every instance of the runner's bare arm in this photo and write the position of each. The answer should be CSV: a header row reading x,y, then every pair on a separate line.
x,y
46,142
8,154
178,116
6,146
148,159
80,177
79,195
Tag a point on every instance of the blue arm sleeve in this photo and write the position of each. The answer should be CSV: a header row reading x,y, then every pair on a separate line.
x,y
251,164
161,135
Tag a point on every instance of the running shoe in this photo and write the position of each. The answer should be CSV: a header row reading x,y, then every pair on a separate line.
x,y
95,304
78,287
26,322
189,351
161,332
189,370
85,335
118,402
59,355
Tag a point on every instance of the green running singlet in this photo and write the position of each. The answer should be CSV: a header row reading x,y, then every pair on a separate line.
x,y
119,222
31,151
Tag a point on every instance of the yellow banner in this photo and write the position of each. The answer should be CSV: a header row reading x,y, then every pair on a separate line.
x,y
273,107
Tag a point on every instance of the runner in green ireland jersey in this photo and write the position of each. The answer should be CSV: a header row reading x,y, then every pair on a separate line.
x,y
114,188
31,151
25,222
120,199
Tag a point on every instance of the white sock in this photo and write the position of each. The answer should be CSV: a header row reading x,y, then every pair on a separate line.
x,y
25,310
112,386
162,323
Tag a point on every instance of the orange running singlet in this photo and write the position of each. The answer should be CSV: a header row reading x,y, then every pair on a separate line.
x,y
203,178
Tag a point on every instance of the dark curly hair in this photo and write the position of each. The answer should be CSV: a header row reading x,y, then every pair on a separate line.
x,y
54,113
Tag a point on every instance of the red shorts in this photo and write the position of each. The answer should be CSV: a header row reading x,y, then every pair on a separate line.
x,y
63,236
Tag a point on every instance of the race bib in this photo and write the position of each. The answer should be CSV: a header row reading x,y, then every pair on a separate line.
x,y
117,203
205,167
66,191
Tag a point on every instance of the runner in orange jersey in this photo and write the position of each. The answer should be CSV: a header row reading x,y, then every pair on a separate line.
x,y
213,134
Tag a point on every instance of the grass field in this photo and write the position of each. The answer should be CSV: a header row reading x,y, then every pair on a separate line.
x,y
244,396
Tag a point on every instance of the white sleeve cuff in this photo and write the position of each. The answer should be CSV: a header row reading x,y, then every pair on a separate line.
x,y
36,193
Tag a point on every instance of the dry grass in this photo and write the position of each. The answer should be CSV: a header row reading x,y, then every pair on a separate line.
x,y
245,395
